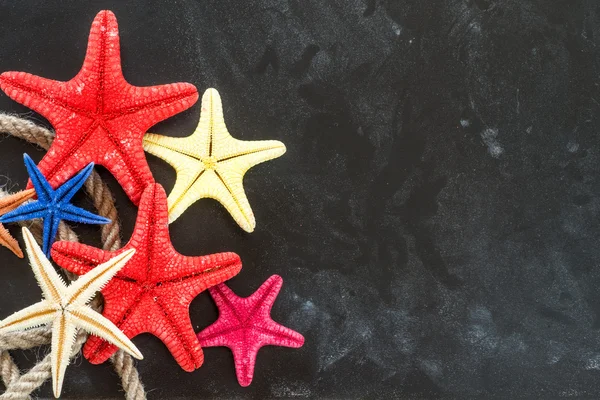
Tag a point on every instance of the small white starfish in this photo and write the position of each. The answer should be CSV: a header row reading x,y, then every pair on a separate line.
x,y
65,308
210,163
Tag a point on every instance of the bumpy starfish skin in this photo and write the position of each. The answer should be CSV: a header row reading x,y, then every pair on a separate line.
x,y
97,115
54,205
245,325
153,293
211,163
9,203
65,308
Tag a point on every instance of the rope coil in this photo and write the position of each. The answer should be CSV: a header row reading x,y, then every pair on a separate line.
x,y
21,386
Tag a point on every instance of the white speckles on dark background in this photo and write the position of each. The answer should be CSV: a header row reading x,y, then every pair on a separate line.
x,y
490,138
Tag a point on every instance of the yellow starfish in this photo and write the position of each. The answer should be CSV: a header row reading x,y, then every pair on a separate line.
x,y
65,307
211,163
9,203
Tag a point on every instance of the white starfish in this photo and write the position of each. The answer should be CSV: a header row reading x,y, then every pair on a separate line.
x,y
65,308
210,163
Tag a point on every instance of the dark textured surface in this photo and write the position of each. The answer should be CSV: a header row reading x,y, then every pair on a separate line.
x,y
435,216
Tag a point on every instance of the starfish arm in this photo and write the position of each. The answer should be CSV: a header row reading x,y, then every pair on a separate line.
x,y
213,269
172,325
67,190
50,282
150,224
51,223
261,303
160,102
103,63
213,135
11,202
130,168
67,155
73,213
63,339
33,316
193,147
190,287
253,339
185,348
211,130
121,300
42,187
244,358
242,155
77,257
176,156
94,323
82,290
10,242
211,185
263,299
103,56
225,300
275,334
243,342
230,319
35,209
188,171
34,92
227,188
190,186
81,258
58,101
213,335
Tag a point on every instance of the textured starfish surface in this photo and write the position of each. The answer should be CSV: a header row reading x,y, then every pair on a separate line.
x,y
211,163
97,115
65,308
153,293
53,205
9,203
245,325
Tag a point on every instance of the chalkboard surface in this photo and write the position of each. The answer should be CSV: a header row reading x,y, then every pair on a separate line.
x,y
435,218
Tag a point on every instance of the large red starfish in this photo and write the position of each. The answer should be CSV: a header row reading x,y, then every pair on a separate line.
x,y
245,325
97,115
152,293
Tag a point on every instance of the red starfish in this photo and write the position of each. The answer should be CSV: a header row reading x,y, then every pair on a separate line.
x,y
97,115
245,325
152,293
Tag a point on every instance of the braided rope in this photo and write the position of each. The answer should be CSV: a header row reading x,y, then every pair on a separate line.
x,y
21,386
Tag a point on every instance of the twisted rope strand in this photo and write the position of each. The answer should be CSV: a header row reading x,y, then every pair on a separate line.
x,y
8,369
21,386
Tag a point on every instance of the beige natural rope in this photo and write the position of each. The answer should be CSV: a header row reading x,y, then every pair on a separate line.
x,y
21,386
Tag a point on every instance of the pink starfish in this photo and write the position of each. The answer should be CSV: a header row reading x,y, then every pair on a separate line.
x,y
245,325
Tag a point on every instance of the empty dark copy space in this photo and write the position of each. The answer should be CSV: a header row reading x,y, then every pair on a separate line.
x,y
435,217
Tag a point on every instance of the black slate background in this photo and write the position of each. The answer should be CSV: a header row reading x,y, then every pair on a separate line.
x,y
435,215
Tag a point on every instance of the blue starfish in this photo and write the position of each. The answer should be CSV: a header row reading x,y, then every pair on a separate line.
x,y
53,205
